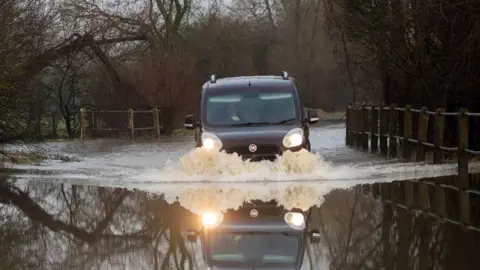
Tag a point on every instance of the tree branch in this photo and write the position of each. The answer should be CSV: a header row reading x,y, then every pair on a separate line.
x,y
75,43
36,213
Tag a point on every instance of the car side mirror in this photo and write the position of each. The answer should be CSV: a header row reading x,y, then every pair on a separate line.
x,y
192,235
312,116
314,237
190,122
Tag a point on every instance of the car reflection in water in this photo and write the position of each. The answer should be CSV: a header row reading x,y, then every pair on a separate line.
x,y
258,235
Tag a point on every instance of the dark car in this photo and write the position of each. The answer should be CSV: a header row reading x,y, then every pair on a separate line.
x,y
256,236
257,117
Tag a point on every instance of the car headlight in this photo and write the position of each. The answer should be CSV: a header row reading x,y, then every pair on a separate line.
x,y
210,141
211,219
295,220
293,138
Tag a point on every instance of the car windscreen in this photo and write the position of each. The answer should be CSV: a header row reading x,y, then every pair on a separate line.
x,y
229,249
251,106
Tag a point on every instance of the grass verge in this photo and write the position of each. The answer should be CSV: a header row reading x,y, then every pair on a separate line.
x,y
180,132
33,157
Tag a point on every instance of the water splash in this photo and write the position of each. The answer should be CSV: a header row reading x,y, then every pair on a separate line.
x,y
201,165
201,161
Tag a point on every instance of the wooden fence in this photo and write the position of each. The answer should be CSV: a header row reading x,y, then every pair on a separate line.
x,y
423,225
375,129
438,197
130,120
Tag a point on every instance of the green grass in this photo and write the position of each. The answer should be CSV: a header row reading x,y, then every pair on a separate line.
x,y
180,132
34,157
60,140
25,158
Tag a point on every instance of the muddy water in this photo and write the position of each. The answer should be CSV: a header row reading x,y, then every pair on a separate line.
x,y
201,179
172,160
165,186
62,226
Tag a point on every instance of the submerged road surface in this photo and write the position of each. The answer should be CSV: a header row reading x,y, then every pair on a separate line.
x,y
123,162
123,205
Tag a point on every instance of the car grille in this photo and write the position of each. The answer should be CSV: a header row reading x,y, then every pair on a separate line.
x,y
271,209
261,150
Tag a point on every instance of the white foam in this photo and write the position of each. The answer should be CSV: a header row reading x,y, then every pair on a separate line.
x,y
200,165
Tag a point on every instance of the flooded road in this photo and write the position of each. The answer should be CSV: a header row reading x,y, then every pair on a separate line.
x,y
124,205
114,162
63,226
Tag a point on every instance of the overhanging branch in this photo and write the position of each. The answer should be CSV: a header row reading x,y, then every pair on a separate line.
x,y
75,43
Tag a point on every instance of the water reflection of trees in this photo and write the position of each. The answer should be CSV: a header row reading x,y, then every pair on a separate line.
x,y
362,233
65,226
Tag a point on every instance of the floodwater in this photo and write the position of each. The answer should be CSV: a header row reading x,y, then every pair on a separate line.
x,y
63,226
127,205
115,162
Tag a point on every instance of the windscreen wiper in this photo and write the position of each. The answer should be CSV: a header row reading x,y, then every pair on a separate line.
x,y
262,123
246,124
283,121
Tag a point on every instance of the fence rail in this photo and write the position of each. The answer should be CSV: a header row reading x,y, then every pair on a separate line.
x,y
436,197
378,127
156,122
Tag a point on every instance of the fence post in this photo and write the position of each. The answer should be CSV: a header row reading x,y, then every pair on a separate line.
x,y
54,125
358,126
462,145
374,129
348,136
440,201
424,197
393,131
131,124
438,132
93,125
394,192
422,133
383,119
462,157
156,123
385,191
346,124
160,119
82,124
365,127
407,133
388,255
409,194
375,190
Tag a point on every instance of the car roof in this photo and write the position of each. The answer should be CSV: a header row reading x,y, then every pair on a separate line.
x,y
245,82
